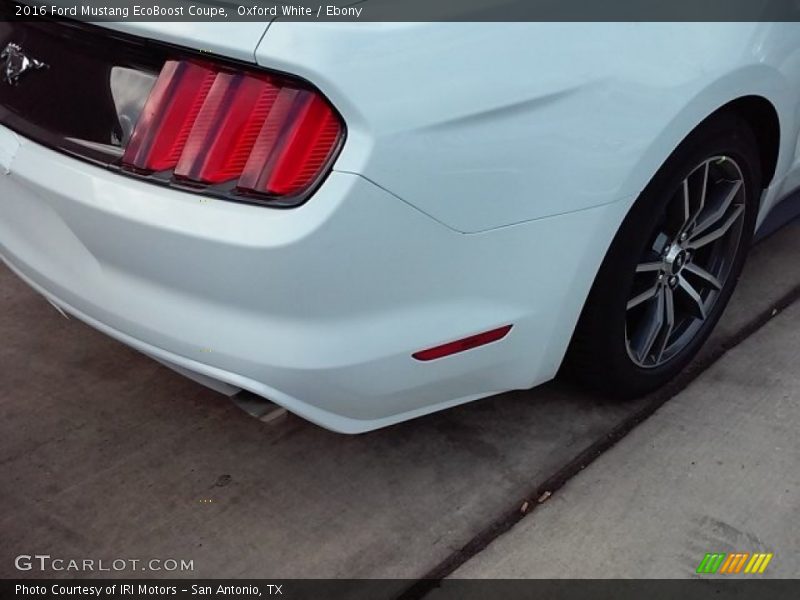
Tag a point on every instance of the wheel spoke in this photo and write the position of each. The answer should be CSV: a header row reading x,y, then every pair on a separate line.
x,y
703,192
687,206
719,231
647,335
721,210
707,277
669,318
690,216
696,300
646,267
643,297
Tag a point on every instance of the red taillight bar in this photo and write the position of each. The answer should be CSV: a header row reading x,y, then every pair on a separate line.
x,y
250,134
168,116
467,343
294,154
226,128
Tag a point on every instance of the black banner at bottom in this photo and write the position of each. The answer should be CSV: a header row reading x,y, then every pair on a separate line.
x,y
373,589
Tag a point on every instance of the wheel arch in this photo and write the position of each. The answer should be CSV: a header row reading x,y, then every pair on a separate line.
x,y
762,117
749,92
724,95
600,315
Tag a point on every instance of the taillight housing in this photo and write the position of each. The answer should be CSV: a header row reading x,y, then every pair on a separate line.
x,y
246,135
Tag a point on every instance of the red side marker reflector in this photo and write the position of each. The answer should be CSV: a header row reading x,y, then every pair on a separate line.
x,y
473,341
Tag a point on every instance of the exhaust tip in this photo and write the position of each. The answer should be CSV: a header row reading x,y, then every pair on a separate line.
x,y
258,407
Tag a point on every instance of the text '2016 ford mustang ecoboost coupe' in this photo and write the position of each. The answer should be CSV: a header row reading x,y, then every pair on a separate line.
x,y
365,223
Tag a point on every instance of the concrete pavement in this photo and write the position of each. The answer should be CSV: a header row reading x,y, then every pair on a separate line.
x,y
105,453
716,469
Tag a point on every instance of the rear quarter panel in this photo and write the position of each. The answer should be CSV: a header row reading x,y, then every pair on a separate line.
x,y
482,125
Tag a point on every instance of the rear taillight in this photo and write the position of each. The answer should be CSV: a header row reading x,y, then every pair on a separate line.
x,y
253,135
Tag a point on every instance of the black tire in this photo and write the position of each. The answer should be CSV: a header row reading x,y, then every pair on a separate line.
x,y
599,354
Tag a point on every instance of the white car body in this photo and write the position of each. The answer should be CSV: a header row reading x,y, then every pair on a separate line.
x,y
487,167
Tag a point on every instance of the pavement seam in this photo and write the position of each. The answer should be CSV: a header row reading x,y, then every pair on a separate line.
x,y
433,578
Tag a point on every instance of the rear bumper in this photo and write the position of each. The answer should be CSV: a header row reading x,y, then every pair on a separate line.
x,y
318,308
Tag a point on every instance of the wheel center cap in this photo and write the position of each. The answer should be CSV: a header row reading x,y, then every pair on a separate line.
x,y
675,259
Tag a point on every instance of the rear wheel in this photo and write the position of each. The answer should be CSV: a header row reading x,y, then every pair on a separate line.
x,y
673,264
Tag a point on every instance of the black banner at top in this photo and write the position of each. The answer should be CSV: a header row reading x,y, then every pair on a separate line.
x,y
410,10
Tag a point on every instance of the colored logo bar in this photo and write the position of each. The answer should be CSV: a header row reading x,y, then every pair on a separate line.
x,y
734,563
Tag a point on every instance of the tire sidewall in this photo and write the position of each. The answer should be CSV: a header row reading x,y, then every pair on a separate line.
x,y
725,136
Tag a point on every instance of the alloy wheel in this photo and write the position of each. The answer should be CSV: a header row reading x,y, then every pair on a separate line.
x,y
687,262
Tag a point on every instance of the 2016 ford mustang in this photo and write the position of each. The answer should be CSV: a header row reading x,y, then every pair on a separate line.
x,y
366,223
